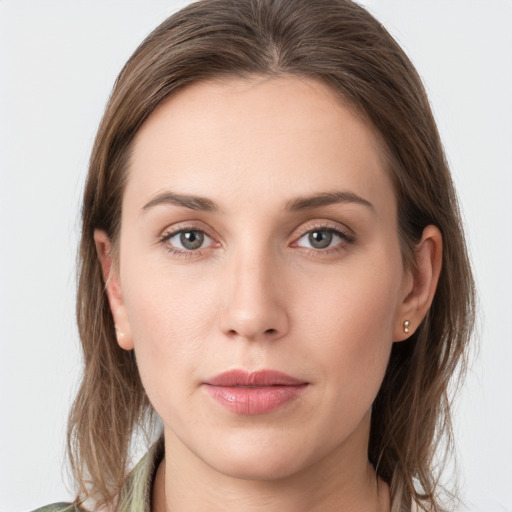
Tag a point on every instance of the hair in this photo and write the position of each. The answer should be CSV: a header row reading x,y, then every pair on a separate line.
x,y
341,45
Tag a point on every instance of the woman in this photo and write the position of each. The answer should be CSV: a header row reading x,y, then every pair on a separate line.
x,y
272,262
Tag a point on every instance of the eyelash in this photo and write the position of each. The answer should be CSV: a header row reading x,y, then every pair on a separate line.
x,y
182,253
345,239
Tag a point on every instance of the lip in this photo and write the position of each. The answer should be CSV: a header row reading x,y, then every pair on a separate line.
x,y
253,393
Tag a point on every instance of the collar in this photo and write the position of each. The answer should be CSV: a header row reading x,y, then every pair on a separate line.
x,y
135,496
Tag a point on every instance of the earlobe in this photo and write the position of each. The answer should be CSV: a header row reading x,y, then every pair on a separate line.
x,y
113,289
421,289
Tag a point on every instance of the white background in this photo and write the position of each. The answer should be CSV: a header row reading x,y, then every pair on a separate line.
x,y
58,61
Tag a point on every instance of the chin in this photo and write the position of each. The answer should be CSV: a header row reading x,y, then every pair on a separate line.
x,y
259,466
258,457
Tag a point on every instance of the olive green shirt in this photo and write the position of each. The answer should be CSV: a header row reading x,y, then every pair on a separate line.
x,y
135,495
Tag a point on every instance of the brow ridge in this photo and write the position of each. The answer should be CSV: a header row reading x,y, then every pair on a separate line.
x,y
302,203
184,200
325,199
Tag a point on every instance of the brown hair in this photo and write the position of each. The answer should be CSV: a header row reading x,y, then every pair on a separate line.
x,y
339,43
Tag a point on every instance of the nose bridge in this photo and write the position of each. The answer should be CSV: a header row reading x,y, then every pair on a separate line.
x,y
253,308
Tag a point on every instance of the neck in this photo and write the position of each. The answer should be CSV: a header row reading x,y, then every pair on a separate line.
x,y
342,481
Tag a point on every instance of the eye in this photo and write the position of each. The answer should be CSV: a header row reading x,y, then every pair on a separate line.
x,y
323,238
188,239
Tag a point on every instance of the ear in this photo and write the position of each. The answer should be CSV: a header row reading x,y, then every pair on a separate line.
x,y
113,289
420,284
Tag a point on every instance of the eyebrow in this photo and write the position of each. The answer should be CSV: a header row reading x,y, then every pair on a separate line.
x,y
302,203
187,201
325,199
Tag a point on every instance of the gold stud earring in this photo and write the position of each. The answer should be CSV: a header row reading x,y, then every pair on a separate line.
x,y
119,334
406,326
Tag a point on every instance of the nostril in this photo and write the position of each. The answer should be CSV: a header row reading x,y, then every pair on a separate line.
x,y
270,331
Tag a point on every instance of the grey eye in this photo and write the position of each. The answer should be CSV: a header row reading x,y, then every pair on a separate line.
x,y
189,240
320,239
323,238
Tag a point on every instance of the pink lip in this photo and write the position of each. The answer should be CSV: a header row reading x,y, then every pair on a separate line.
x,y
254,393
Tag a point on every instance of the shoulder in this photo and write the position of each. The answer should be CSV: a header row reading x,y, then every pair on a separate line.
x,y
61,507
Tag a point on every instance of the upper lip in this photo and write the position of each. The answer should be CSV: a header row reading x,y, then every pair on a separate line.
x,y
260,378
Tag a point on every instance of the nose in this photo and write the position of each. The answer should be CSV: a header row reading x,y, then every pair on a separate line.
x,y
254,305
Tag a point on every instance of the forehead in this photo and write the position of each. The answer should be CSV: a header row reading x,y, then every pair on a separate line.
x,y
283,136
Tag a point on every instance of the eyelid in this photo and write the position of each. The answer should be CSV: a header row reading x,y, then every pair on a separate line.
x,y
346,235
174,230
171,235
327,225
190,225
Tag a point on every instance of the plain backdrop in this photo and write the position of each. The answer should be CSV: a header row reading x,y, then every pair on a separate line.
x,y
58,61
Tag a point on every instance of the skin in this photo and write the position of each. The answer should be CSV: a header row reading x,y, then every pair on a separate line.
x,y
259,295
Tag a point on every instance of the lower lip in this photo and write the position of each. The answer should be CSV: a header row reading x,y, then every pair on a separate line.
x,y
254,400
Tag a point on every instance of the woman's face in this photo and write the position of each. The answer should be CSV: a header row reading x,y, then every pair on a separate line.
x,y
260,278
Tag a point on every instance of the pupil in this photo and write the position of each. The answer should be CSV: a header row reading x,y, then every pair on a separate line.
x,y
192,239
320,239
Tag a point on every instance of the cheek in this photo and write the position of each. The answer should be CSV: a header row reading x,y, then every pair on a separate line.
x,y
351,318
170,318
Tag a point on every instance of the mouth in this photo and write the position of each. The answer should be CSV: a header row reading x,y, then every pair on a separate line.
x,y
254,393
